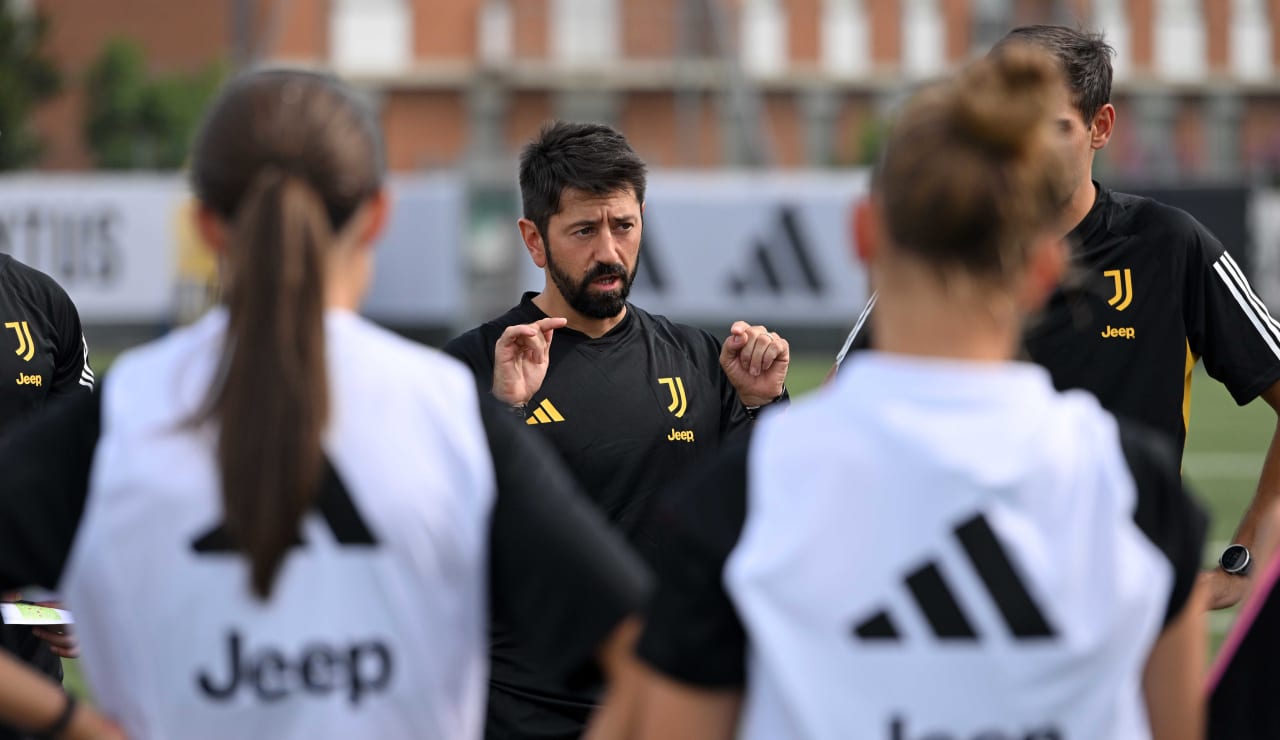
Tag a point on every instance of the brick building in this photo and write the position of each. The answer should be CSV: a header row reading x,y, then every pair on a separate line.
x,y
703,83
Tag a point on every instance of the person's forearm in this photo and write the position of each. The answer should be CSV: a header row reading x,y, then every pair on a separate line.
x,y
1266,495
30,700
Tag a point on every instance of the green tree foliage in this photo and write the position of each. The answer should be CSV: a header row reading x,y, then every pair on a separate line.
x,y
135,120
26,78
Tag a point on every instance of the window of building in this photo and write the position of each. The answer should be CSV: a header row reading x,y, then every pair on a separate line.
x,y
585,32
924,40
370,35
763,44
846,41
1250,39
1180,40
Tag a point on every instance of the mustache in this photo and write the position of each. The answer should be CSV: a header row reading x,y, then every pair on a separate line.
x,y
602,270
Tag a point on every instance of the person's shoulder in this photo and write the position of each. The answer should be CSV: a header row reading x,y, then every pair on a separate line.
x,y
1148,218
684,334
480,339
395,353
32,284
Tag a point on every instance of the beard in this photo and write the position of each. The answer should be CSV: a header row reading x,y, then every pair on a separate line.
x,y
594,304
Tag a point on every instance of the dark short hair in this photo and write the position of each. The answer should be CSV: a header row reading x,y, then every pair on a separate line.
x,y
590,157
1085,58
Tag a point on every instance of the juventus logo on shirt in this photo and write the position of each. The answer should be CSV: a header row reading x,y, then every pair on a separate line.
x,y
679,401
335,506
26,346
937,601
1124,291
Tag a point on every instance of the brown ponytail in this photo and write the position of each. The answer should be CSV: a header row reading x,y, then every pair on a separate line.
x,y
273,401
285,158
971,173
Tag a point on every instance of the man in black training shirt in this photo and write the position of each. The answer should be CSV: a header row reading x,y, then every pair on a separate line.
x,y
43,356
1152,293
628,399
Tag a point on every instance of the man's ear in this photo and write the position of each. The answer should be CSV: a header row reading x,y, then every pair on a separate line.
x,y
866,230
533,242
1046,266
1103,125
211,228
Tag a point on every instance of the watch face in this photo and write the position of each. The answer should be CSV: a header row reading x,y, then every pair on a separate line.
x,y
1234,558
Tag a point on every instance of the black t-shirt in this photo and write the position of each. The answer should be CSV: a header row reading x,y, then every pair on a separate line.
x,y
628,412
42,349
1150,291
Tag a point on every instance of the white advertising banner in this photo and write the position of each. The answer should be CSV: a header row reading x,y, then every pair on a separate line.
x,y
418,276
109,241
763,247
125,249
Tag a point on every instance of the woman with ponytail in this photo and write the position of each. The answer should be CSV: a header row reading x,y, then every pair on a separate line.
x,y
938,544
283,521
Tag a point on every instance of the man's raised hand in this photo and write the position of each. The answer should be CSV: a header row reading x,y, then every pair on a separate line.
x,y
756,361
520,360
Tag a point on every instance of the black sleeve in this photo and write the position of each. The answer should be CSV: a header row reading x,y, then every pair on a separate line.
x,y
1228,326
46,467
560,578
692,631
475,352
71,372
1166,513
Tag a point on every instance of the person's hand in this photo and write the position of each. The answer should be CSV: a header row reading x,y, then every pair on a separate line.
x,y
520,360
60,639
756,361
1224,589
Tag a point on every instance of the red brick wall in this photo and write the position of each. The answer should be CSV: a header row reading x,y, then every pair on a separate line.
x,y
424,129
446,30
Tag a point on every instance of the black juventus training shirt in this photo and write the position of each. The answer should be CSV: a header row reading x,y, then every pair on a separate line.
x,y
628,412
42,355
1150,292
42,348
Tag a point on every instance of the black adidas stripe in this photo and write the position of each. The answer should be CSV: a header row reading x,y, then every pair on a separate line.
x,y
989,559
939,604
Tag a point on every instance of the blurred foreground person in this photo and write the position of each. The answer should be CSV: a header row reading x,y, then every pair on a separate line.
x,y
1151,293
938,544
282,521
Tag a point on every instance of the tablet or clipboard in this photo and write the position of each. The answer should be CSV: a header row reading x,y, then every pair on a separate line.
x,y
33,615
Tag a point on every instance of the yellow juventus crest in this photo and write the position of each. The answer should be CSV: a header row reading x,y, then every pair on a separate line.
x,y
26,347
1124,291
679,401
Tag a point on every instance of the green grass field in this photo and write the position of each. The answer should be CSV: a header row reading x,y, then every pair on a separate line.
x,y
1224,453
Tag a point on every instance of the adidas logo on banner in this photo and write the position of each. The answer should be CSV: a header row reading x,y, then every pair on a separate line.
x,y
544,413
937,601
781,266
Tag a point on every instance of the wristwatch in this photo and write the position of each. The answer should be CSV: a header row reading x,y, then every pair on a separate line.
x,y
1236,560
